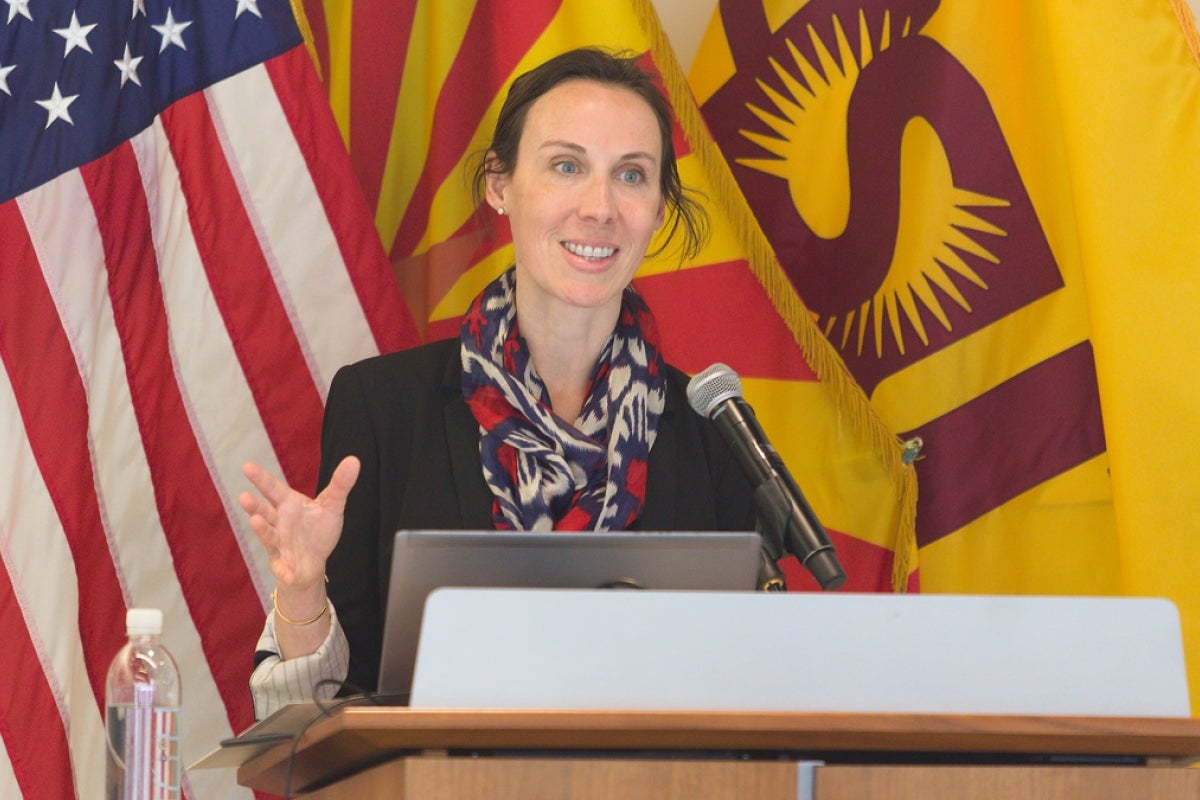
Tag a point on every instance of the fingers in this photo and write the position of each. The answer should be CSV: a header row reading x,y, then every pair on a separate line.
x,y
262,515
251,503
253,506
256,516
340,483
271,487
346,473
284,508
248,502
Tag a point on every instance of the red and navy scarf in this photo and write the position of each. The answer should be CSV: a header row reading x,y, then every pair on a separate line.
x,y
547,473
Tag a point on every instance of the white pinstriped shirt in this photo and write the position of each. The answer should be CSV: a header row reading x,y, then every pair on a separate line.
x,y
277,682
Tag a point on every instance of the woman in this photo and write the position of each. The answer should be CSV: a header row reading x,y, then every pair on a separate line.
x,y
552,410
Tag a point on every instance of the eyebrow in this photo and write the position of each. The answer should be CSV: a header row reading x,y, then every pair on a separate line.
x,y
635,155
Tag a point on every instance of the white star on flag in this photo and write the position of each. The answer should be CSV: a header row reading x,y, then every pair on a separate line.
x,y
57,106
128,66
138,5
172,32
75,34
4,79
247,5
18,7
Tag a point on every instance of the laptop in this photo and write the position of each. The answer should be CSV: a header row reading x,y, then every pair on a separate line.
x,y
426,560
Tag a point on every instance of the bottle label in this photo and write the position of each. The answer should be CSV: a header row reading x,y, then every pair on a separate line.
x,y
143,753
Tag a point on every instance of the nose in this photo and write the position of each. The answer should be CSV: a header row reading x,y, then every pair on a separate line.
x,y
597,202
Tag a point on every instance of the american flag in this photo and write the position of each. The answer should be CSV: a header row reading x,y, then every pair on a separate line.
x,y
185,260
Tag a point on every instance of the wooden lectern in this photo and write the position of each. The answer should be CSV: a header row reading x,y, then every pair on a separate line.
x,y
362,753
758,696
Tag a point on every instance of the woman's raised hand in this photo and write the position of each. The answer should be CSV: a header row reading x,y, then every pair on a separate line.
x,y
298,532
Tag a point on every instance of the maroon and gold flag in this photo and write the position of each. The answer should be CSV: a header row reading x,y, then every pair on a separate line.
x,y
994,224
416,88
877,166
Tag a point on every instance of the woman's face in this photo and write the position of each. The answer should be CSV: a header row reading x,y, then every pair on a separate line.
x,y
583,198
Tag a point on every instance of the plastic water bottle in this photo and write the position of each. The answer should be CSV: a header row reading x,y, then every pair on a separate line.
x,y
141,714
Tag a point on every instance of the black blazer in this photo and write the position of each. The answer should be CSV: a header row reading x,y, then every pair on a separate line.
x,y
404,416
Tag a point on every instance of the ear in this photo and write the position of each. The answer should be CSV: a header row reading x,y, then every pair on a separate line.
x,y
662,214
495,182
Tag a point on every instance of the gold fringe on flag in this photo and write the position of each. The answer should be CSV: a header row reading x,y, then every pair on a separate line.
x,y
1188,22
306,32
827,364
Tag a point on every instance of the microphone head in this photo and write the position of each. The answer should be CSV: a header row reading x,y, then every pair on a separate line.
x,y
712,386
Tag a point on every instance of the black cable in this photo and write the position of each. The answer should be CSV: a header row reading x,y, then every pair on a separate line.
x,y
324,710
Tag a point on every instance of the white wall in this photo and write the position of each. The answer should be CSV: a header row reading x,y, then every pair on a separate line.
x,y
685,21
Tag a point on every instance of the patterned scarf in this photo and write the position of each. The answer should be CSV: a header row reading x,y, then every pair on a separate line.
x,y
544,472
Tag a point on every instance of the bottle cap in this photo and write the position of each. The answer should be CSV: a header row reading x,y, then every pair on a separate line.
x,y
144,621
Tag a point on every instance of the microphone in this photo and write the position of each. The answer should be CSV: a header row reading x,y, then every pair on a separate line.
x,y
716,393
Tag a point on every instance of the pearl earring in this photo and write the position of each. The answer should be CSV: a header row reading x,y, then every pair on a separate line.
x,y
500,210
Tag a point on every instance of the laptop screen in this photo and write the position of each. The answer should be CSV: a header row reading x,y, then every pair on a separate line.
x,y
426,560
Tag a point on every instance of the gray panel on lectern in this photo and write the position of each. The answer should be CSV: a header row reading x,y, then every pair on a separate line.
x,y
1120,657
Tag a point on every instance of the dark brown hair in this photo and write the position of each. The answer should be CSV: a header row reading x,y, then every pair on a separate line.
x,y
685,215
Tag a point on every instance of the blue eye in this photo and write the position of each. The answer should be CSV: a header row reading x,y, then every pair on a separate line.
x,y
566,167
631,176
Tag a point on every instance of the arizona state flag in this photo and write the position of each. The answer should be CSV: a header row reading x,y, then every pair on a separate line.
x,y
417,86
991,210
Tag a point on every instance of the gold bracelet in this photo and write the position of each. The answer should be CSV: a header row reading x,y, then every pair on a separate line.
x,y
296,622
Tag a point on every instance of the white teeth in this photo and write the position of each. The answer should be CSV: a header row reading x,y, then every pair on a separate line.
x,y
587,251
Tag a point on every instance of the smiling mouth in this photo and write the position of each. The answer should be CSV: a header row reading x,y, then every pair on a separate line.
x,y
589,252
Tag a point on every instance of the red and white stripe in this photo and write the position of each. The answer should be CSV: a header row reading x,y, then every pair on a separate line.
x,y
167,312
